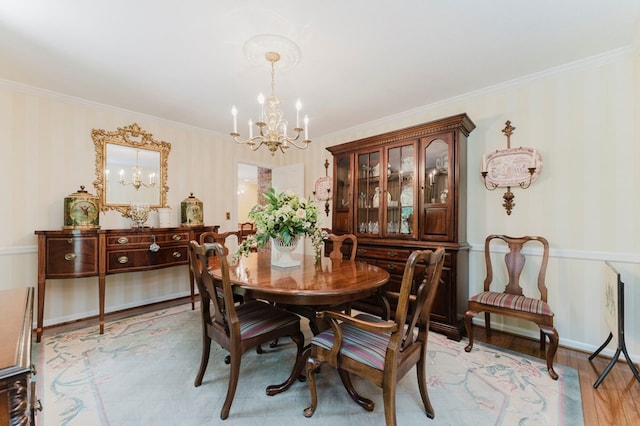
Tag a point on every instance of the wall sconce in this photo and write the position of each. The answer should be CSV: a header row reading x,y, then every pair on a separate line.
x,y
510,167
324,187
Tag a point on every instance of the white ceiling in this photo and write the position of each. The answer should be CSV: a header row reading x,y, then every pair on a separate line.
x,y
362,60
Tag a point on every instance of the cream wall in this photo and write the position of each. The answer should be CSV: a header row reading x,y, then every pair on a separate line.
x,y
47,153
582,118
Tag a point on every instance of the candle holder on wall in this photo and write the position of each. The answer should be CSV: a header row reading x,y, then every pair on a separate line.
x,y
323,188
510,167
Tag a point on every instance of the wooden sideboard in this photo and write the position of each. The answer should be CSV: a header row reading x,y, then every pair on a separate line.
x,y
78,253
18,400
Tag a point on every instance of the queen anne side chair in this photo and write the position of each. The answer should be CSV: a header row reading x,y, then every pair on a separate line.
x,y
381,351
236,328
512,301
338,240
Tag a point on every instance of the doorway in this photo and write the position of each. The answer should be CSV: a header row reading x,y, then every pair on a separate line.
x,y
252,182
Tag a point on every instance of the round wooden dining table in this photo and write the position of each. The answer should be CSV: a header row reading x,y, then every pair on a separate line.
x,y
305,289
329,282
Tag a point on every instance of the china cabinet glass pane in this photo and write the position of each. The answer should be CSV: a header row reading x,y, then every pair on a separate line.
x,y
369,193
436,178
343,182
400,198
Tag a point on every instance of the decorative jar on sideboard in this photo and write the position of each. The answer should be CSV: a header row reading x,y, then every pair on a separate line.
x,y
81,210
191,211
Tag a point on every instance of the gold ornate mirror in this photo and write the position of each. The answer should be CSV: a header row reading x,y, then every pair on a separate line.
x,y
131,167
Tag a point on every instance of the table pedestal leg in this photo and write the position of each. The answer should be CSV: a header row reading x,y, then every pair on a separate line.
x,y
296,374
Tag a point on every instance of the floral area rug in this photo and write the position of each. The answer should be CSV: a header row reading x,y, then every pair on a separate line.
x,y
141,372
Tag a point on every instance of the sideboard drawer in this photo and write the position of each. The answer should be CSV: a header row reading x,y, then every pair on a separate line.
x,y
72,256
126,240
142,259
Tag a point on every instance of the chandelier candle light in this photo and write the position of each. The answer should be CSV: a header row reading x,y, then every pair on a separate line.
x,y
271,124
137,181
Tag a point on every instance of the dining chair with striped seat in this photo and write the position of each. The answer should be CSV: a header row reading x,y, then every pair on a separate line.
x,y
236,328
378,350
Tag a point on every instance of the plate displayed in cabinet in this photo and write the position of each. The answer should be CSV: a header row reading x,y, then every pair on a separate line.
x,y
406,196
407,164
442,163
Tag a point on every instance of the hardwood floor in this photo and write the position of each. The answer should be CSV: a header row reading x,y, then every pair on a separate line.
x,y
615,402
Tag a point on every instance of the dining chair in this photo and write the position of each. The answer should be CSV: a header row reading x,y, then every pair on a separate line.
x,y
378,350
337,243
230,239
512,300
236,328
225,239
245,229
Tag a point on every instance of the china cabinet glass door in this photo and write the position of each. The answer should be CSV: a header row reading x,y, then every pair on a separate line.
x,y
343,194
436,184
369,193
400,191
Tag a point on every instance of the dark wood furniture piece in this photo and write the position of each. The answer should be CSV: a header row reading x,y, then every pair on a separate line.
x,y
512,301
235,328
338,248
89,253
381,351
220,238
246,229
305,289
18,401
402,191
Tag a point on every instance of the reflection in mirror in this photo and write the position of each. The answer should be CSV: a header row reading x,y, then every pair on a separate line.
x,y
131,167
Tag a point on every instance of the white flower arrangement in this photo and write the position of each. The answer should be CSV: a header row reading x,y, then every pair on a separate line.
x,y
284,216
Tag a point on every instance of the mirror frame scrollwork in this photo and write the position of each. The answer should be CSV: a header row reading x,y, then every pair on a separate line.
x,y
129,136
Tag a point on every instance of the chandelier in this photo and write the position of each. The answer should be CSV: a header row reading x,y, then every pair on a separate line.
x,y
272,126
136,177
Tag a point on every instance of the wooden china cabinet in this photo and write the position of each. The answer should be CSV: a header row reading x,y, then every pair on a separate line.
x,y
406,190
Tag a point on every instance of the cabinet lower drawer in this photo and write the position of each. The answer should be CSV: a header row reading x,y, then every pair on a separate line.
x,y
72,256
138,260
388,253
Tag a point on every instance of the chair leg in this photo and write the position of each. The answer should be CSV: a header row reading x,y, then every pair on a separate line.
x,y
468,325
204,359
552,333
422,384
487,323
313,366
543,340
234,372
389,397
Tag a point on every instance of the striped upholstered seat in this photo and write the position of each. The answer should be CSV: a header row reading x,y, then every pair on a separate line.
x,y
366,347
258,318
512,301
